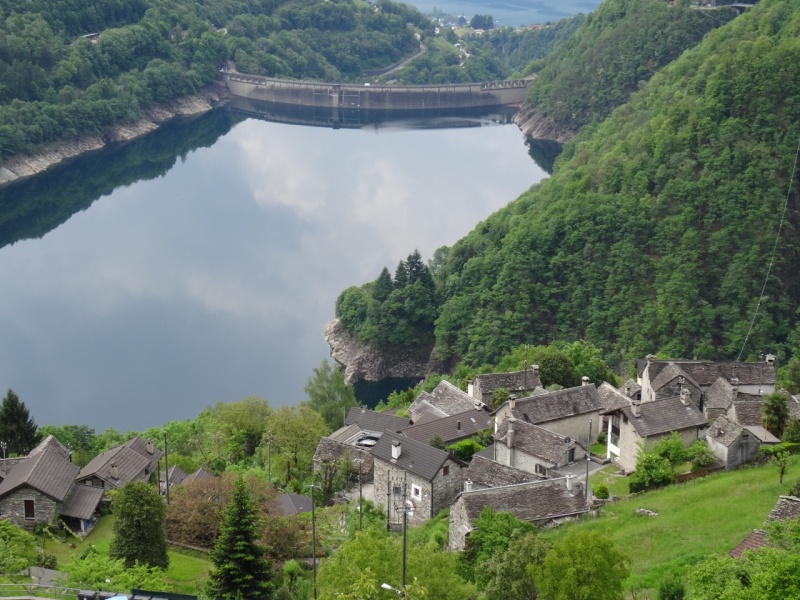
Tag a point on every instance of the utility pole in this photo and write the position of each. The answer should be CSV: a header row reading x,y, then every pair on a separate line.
x,y
166,465
588,460
269,457
313,539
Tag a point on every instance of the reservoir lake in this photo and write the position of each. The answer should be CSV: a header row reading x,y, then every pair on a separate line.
x,y
200,263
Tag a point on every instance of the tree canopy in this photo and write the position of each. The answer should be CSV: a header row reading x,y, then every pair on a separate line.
x,y
17,428
139,532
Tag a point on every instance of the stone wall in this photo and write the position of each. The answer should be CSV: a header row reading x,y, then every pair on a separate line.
x,y
12,507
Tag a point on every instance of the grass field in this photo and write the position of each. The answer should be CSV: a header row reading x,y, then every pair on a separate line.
x,y
701,517
187,569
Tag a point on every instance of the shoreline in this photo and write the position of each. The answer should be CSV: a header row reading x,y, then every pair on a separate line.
x,y
26,165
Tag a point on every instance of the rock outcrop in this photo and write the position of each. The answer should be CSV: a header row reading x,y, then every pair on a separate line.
x,y
51,154
371,363
539,127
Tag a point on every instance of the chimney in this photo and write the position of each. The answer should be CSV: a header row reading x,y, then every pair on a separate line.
x,y
569,482
628,390
114,471
467,485
512,403
510,433
150,448
470,388
636,408
535,369
585,380
735,386
770,359
685,396
395,450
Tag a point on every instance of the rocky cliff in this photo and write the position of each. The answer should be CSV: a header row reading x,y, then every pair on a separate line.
x,y
539,127
24,165
371,363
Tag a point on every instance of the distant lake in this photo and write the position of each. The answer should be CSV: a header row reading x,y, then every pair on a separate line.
x,y
200,263
513,13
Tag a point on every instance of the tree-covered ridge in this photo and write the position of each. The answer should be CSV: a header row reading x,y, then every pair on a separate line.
x,y
618,47
655,232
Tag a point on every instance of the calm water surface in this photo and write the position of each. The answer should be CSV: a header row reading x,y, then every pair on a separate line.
x,y
174,288
513,13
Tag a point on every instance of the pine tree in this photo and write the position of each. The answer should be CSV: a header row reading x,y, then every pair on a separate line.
x,y
383,286
240,569
17,428
139,534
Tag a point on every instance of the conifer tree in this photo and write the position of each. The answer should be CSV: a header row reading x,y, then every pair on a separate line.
x,y
383,286
240,569
17,428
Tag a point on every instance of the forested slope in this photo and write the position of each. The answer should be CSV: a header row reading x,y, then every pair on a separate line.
x,y
655,231
617,47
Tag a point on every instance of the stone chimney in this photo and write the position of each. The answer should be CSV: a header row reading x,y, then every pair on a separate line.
x,y
686,395
585,380
770,359
735,386
467,485
395,450
511,432
150,448
535,369
114,471
512,403
569,482
636,408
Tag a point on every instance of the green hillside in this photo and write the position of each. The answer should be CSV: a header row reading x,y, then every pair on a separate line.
x,y
655,231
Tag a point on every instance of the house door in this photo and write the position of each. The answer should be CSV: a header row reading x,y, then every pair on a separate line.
x,y
30,511
572,455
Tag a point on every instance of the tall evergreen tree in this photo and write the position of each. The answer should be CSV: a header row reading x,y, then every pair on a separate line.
x,y
401,275
139,534
240,569
17,428
383,286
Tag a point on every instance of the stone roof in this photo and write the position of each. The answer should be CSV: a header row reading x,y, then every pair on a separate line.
x,y
116,466
370,420
763,436
415,457
201,473
755,539
445,400
669,373
423,410
485,473
147,449
787,507
51,444
514,382
706,372
450,429
720,394
724,431
293,504
176,476
560,404
487,452
534,441
663,416
793,404
745,412
611,397
534,501
82,502
630,388
46,471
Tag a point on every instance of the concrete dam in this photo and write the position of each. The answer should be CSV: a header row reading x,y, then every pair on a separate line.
x,y
377,97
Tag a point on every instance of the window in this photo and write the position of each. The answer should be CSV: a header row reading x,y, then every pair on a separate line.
x,y
446,470
572,455
416,491
30,510
541,470
397,490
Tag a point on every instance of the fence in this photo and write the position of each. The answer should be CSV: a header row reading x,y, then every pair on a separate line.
x,y
31,591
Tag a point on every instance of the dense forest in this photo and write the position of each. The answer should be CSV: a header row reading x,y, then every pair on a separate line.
x,y
655,232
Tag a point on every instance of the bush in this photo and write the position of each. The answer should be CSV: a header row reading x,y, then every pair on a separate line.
x,y
671,589
601,491
792,431
795,489
46,560
602,437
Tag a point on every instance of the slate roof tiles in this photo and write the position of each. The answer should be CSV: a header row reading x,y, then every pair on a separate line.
x,y
415,457
370,420
47,471
534,441
82,502
485,472
450,429
560,404
663,416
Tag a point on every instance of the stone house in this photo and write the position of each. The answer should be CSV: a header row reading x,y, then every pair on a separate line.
x,y
566,412
35,489
483,472
445,400
646,423
539,502
518,383
732,444
533,449
747,413
665,378
450,429
135,460
719,398
410,471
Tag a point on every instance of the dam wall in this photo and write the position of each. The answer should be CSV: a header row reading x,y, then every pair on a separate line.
x,y
377,97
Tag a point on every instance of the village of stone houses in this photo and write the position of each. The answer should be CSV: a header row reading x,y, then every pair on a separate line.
x,y
545,445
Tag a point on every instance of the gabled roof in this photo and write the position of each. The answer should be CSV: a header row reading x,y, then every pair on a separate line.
x,y
516,381
706,372
176,476
82,502
415,457
630,388
116,466
484,473
611,397
787,507
561,404
201,473
455,427
534,501
423,409
745,412
46,471
445,400
294,504
51,444
720,394
534,441
370,420
724,431
763,436
663,416
671,371
755,539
